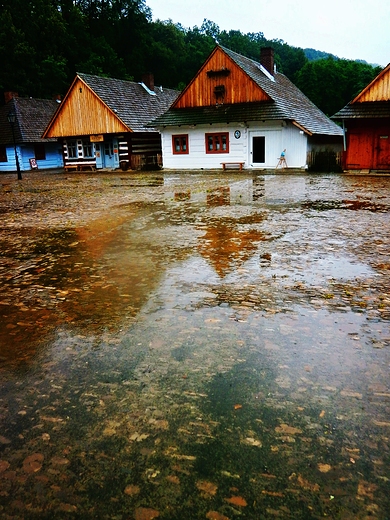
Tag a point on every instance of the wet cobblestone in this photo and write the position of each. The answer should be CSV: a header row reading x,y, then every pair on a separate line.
x,y
194,346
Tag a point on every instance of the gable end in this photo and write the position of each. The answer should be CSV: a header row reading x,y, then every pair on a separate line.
x,y
220,81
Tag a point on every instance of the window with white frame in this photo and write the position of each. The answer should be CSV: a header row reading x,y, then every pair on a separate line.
x,y
87,149
72,149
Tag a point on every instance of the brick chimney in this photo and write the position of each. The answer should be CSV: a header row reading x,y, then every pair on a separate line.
x,y
148,80
10,95
267,59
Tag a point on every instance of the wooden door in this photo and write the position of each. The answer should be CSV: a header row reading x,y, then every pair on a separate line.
x,y
360,149
382,151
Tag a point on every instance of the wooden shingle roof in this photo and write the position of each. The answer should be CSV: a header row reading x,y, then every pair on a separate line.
x,y
366,110
32,117
131,101
287,103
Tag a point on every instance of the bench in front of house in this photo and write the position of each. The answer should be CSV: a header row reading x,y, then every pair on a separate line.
x,y
81,166
233,164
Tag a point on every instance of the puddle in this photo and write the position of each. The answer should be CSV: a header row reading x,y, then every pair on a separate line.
x,y
313,271
212,351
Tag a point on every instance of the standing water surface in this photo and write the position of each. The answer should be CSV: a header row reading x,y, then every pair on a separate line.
x,y
216,347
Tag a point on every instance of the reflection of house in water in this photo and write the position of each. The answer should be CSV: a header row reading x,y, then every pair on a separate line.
x,y
241,192
182,195
258,188
218,196
229,243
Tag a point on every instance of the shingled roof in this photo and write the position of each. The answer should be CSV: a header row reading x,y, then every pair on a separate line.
x,y
288,103
32,117
131,102
368,110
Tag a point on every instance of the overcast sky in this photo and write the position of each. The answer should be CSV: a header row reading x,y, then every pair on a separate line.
x,y
352,29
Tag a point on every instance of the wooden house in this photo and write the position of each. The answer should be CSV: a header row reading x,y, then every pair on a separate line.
x,y
31,119
237,112
102,122
366,124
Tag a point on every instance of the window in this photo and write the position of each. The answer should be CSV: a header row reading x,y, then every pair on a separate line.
x,y
3,153
72,149
180,144
87,149
39,152
217,143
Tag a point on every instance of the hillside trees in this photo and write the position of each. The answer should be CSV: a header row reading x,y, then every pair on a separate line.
x,y
43,43
331,83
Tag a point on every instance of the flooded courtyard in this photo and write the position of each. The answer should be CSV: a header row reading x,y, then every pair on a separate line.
x,y
194,346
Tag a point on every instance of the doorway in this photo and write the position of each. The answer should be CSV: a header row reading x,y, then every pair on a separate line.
x,y
383,151
258,149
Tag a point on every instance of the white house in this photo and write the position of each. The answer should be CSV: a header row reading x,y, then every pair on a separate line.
x,y
237,112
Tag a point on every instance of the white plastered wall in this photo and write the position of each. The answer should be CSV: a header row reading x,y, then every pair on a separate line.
x,y
278,135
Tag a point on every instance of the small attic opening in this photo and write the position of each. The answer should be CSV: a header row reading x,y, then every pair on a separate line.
x,y
219,92
224,72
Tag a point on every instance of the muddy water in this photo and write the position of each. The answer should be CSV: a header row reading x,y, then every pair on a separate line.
x,y
218,348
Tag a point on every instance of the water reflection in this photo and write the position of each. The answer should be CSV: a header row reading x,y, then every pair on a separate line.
x,y
220,350
227,246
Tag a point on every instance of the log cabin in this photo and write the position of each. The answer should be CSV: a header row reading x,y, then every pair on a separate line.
x,y
366,124
31,118
101,123
240,113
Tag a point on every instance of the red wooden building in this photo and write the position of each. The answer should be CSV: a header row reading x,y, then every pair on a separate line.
x,y
366,123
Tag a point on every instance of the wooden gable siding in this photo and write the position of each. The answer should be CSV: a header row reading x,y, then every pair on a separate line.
x,y
83,113
378,89
238,86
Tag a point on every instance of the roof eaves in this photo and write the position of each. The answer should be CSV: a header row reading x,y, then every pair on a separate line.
x,y
302,128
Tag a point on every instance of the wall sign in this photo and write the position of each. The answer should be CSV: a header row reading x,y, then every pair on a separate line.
x,y
96,138
33,164
237,134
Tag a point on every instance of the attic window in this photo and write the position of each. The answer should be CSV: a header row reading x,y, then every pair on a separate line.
x,y
218,73
219,91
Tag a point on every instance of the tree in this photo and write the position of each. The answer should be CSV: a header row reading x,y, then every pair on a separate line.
x,y
331,83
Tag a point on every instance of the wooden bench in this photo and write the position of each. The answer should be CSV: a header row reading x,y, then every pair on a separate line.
x,y
80,166
87,166
70,167
237,164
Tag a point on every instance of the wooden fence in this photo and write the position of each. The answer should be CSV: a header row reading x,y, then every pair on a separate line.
x,y
325,162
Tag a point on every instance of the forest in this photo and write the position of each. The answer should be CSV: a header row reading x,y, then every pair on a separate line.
x,y
44,43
